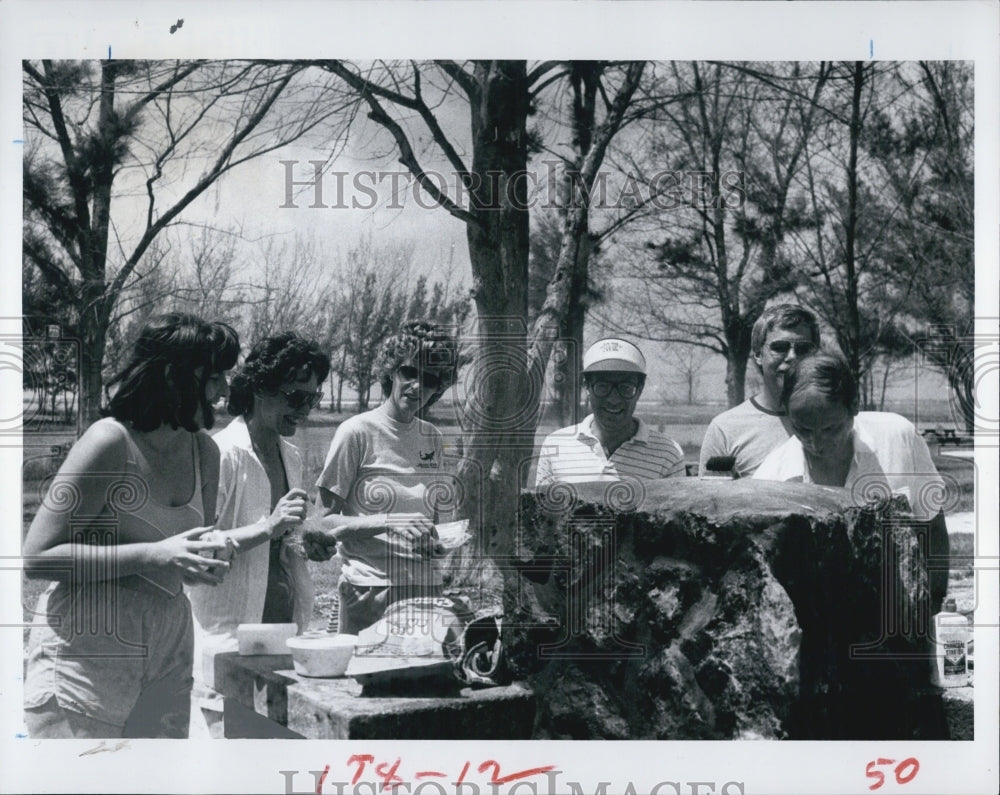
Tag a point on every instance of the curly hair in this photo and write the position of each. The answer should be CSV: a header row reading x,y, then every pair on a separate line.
x,y
782,316
158,384
825,371
271,362
428,345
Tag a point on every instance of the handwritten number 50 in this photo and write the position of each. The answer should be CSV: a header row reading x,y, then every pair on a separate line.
x,y
905,771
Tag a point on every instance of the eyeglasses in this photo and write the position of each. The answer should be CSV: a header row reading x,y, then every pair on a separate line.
x,y
427,379
782,347
300,398
626,389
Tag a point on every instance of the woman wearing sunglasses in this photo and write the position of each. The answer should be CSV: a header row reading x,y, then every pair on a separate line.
x,y
261,500
374,484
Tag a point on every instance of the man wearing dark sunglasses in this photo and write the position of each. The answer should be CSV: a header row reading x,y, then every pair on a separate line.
x,y
748,432
611,443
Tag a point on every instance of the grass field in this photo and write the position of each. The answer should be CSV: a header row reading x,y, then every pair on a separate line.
x,y
685,424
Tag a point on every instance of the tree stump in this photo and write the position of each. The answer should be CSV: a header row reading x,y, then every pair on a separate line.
x,y
710,609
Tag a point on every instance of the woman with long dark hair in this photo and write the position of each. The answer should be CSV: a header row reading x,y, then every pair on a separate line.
x,y
118,532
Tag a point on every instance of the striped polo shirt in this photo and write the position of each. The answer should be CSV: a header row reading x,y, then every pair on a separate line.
x,y
575,454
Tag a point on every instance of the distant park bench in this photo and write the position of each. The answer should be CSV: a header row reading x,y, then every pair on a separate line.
x,y
945,436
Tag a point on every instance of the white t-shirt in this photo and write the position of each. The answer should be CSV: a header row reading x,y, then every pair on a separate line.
x,y
378,465
889,456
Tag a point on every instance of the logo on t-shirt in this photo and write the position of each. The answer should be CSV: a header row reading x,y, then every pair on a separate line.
x,y
427,460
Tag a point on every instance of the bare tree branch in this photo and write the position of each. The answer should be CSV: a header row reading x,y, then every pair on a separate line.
x,y
466,81
369,90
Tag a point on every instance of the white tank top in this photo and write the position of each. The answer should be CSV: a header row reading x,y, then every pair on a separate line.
x,y
133,516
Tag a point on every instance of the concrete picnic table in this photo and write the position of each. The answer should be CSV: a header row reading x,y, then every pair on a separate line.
x,y
264,697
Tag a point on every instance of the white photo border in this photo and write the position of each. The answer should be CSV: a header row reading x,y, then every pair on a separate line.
x,y
649,30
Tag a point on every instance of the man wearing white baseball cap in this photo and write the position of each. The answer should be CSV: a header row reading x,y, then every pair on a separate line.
x,y
610,443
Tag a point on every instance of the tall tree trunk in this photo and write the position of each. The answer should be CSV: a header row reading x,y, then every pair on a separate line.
x,y
585,78
566,383
93,242
501,407
853,335
575,234
736,375
885,385
92,345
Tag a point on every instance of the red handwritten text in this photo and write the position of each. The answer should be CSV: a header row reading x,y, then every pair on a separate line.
x,y
904,772
388,772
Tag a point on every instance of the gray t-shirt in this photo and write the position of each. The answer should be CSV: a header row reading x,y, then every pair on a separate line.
x,y
378,465
747,431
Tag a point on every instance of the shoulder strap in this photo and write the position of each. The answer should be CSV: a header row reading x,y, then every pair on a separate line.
x,y
197,462
132,451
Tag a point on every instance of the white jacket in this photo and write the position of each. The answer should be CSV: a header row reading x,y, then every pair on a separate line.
x,y
245,498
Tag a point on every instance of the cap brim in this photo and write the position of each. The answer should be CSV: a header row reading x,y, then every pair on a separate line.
x,y
614,366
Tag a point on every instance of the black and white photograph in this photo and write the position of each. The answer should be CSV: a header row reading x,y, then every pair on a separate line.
x,y
619,415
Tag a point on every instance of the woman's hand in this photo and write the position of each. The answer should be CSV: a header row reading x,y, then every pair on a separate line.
x,y
186,551
409,533
413,532
287,514
409,526
226,553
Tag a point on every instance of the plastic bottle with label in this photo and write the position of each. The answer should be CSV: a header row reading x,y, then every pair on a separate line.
x,y
951,634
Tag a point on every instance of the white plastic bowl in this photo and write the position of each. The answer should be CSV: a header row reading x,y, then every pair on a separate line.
x,y
264,638
321,654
